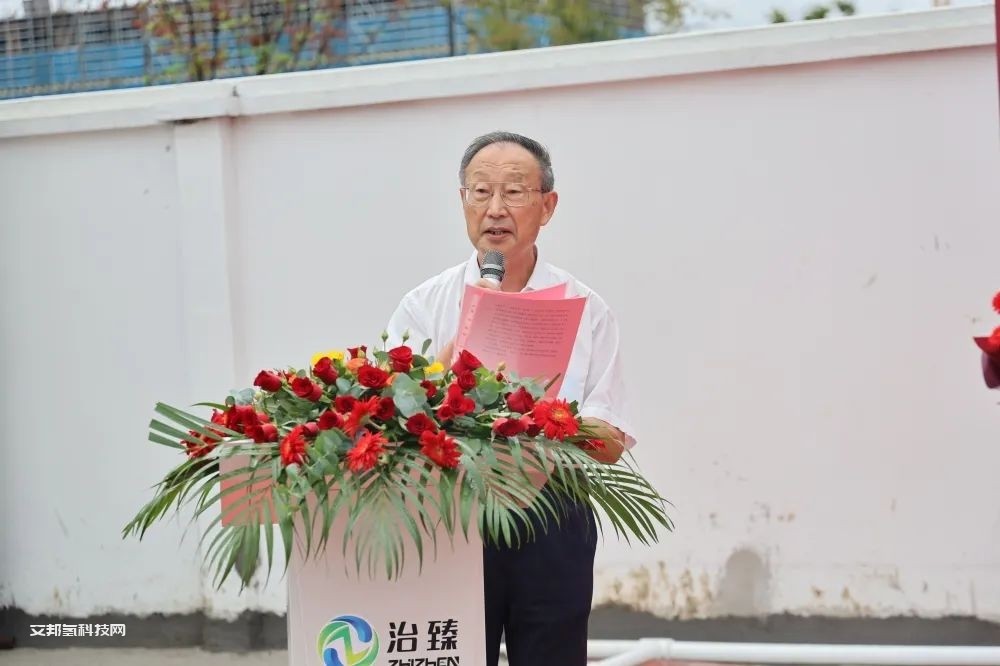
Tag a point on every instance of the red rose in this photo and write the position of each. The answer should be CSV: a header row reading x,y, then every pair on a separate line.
x,y
264,433
357,352
385,409
440,448
324,370
402,358
555,419
465,362
467,381
306,388
430,388
534,430
445,412
293,446
458,401
373,377
420,423
996,302
238,417
344,403
365,453
520,401
510,427
329,420
267,381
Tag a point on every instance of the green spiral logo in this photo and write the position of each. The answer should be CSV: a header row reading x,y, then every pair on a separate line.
x,y
336,643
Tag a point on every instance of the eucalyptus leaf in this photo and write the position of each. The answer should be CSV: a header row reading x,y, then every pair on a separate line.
x,y
243,396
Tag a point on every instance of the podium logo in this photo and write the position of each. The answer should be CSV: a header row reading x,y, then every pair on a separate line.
x,y
348,640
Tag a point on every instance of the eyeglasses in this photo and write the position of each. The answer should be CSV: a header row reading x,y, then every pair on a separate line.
x,y
512,194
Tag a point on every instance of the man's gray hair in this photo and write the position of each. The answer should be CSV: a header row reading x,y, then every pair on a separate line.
x,y
532,146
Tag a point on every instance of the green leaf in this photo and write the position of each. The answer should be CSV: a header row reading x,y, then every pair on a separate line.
x,y
409,396
243,396
425,347
486,392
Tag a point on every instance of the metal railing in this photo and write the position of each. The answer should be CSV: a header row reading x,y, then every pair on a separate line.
x,y
651,650
166,41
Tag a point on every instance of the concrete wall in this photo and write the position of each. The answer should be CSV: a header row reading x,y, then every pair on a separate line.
x,y
796,226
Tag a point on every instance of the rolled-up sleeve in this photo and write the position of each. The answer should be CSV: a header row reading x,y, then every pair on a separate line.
x,y
605,392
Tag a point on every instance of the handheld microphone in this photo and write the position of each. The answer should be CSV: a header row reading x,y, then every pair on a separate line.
x,y
492,267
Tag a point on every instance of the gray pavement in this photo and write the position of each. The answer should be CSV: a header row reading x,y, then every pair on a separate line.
x,y
138,657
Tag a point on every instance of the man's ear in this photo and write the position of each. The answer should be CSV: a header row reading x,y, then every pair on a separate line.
x,y
549,201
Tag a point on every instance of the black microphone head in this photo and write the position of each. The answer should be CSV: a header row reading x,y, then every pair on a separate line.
x,y
492,266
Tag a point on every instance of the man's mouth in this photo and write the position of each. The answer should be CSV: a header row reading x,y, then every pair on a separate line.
x,y
496,232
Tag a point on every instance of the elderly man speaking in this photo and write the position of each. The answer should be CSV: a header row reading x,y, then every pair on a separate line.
x,y
537,595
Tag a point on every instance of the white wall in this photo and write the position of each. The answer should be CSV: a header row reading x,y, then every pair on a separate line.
x,y
795,226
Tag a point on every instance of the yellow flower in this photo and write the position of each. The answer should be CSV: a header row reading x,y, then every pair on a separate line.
x,y
333,355
434,368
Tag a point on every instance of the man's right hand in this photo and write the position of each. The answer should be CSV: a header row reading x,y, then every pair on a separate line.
x,y
448,351
444,356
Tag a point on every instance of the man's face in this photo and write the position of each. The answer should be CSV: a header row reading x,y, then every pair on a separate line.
x,y
495,225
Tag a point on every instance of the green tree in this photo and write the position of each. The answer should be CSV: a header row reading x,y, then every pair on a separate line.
x,y
504,25
817,12
270,35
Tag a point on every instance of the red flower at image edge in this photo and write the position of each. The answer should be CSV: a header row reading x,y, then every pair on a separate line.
x,y
365,453
555,419
440,448
990,347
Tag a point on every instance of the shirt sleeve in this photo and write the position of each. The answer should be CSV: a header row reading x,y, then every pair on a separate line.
x,y
408,318
605,393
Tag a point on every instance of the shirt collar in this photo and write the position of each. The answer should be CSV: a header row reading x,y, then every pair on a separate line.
x,y
541,278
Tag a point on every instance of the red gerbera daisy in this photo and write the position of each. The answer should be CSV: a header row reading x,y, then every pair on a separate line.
x,y
555,419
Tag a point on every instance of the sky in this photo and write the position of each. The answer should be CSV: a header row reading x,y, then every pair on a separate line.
x,y
755,12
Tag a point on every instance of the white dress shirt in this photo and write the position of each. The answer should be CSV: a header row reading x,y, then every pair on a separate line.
x,y
594,377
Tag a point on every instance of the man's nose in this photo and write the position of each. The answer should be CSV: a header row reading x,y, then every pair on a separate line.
x,y
497,207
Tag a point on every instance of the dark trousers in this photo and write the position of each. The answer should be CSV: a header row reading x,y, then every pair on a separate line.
x,y
538,595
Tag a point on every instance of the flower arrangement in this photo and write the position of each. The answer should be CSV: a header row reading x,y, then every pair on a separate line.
x,y
397,445
990,346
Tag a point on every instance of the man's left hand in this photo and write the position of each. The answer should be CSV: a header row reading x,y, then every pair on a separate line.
x,y
612,438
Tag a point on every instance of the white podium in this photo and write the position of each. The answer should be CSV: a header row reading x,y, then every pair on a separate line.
x,y
338,617
431,615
